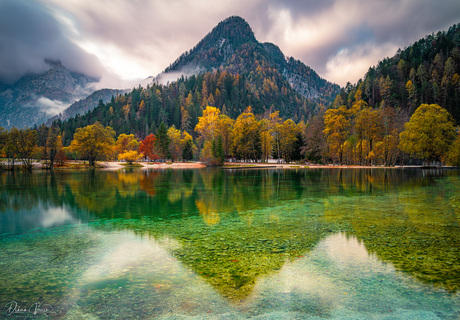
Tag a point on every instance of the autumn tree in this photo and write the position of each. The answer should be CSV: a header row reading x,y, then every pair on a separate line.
x,y
369,127
93,142
129,156
314,140
125,142
208,124
266,140
6,146
246,137
412,92
24,144
175,148
225,128
392,126
53,146
429,133
147,147
274,123
211,126
3,140
127,148
453,156
287,137
336,131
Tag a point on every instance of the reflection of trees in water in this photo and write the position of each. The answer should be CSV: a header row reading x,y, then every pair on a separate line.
x,y
407,217
170,191
20,191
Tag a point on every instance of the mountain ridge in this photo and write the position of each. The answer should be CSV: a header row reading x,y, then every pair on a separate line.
x,y
224,46
36,97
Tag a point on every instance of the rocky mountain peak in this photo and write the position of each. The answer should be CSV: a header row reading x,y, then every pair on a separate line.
x,y
36,97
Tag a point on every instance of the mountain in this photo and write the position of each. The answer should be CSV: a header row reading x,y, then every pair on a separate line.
x,y
36,97
84,105
232,46
228,69
428,71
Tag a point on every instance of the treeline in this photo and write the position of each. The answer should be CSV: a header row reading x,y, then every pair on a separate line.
x,y
427,72
361,135
358,135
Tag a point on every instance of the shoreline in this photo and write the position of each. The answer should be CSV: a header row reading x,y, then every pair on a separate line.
x,y
115,165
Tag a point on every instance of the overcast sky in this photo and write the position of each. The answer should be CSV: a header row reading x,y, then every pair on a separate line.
x,y
123,40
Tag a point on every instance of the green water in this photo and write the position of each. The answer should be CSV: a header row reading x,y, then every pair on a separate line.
x,y
231,244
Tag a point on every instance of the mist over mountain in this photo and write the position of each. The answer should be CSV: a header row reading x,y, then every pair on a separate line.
x,y
87,104
34,98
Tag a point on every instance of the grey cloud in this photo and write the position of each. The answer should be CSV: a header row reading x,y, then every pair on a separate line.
x,y
354,24
29,34
153,33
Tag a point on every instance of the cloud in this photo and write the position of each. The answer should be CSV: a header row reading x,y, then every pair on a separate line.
x,y
29,34
51,107
140,38
352,63
340,33
137,39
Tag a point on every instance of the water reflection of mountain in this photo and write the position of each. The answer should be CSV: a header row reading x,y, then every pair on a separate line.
x,y
250,222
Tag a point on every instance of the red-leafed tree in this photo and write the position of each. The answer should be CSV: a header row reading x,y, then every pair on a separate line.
x,y
147,147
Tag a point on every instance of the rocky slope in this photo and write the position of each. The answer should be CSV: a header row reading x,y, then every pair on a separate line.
x,y
36,97
84,105
231,46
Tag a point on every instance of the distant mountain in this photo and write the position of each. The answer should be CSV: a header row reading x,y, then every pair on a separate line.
x,y
84,105
231,46
36,97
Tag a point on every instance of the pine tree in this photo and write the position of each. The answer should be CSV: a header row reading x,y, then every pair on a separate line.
x,y
162,142
187,153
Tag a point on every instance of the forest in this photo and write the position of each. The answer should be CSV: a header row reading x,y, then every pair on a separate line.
x,y
406,110
426,72
356,136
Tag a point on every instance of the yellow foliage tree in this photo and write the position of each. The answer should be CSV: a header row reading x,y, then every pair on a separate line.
x,y
208,124
266,139
287,137
245,136
429,133
336,130
178,139
225,128
453,157
130,156
274,123
175,147
125,142
93,142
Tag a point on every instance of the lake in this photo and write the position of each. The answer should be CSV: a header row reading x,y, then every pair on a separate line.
x,y
230,244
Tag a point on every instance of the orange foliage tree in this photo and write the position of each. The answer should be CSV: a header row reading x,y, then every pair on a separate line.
x,y
147,147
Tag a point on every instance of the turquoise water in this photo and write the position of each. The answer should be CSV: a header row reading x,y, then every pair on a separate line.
x,y
231,244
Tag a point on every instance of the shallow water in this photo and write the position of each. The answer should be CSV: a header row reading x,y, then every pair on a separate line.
x,y
231,244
